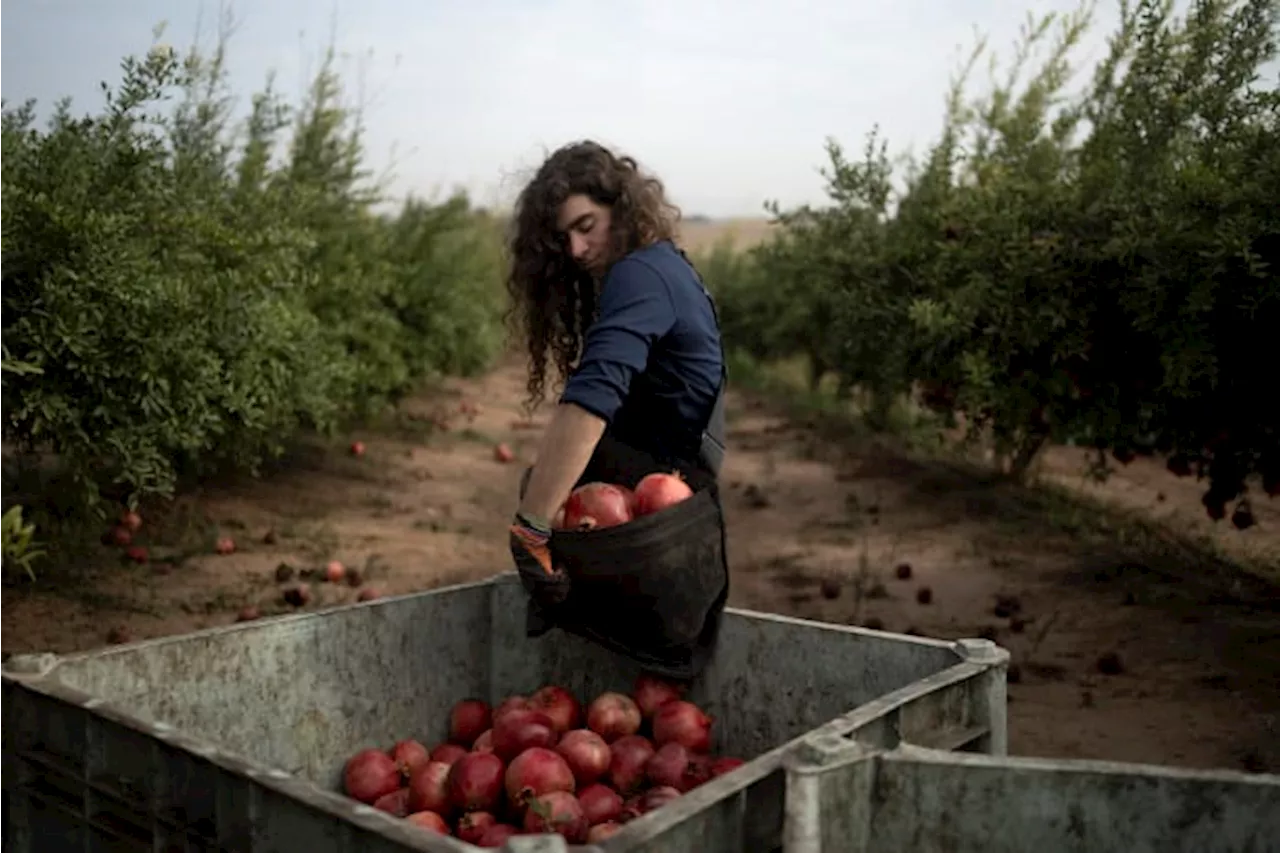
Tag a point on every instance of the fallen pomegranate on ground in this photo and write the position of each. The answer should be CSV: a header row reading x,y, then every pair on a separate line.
x,y
539,763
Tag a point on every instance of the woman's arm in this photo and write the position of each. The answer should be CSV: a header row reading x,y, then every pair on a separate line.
x,y
566,448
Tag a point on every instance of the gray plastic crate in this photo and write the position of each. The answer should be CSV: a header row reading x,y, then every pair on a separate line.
x,y
842,796
234,738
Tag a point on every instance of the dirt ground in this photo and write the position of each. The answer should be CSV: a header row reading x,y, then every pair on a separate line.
x,y
1126,645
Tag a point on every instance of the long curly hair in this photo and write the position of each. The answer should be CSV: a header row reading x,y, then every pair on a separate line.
x,y
553,300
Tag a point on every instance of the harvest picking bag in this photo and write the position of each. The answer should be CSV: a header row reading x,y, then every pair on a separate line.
x,y
653,589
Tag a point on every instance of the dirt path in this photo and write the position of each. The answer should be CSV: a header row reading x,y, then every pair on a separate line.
x,y
1122,649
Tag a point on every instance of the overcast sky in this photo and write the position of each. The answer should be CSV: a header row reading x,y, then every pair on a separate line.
x,y
728,100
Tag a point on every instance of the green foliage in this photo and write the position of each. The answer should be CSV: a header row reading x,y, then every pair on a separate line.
x,y
183,293
17,543
1097,267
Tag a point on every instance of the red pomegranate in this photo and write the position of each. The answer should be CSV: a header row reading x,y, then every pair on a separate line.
x,y
682,722
586,753
724,765
468,719
429,788
669,767
516,731
369,774
600,803
626,769
429,820
396,803
447,753
656,798
613,715
597,505
484,743
475,782
656,492
560,705
559,812
535,772
601,831
472,826
651,693
409,755
497,835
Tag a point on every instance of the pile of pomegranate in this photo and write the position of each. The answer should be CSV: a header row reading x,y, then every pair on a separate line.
x,y
530,766
598,505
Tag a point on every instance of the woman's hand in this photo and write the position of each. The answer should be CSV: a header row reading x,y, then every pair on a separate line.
x,y
531,551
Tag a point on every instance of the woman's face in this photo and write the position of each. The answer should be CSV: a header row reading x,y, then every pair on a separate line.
x,y
587,232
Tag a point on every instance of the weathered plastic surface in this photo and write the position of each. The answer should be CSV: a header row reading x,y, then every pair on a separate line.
x,y
234,738
843,797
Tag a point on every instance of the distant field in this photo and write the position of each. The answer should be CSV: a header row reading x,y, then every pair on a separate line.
x,y
745,233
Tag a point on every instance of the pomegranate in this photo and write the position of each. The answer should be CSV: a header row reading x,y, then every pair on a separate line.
x,y
698,772
597,505
225,545
429,790
367,594
586,753
630,754
656,798
334,571
121,535
559,812
497,835
513,703
651,693
724,765
560,705
535,772
409,755
447,753
130,520
475,782
484,743
396,803
502,453
429,820
472,826
613,715
656,492
357,448
601,831
684,723
468,720
600,803
516,731
631,809
669,766
138,554
369,774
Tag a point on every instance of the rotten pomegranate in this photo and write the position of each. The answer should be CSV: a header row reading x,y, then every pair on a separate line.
x,y
475,782
447,753
473,825
684,723
516,731
586,753
369,774
429,820
429,789
656,492
651,693
600,803
468,720
559,812
597,505
630,754
558,704
613,715
409,755
535,772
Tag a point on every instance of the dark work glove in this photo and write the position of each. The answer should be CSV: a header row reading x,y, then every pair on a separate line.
x,y
548,587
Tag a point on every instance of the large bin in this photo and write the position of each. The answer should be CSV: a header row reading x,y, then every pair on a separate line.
x,y
234,738
842,796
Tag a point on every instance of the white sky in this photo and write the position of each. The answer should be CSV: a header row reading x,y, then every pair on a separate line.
x,y
730,102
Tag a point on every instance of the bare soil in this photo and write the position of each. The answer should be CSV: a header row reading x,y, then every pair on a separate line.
x,y
1128,644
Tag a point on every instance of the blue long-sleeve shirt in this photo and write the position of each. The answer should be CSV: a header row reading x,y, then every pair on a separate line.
x,y
655,320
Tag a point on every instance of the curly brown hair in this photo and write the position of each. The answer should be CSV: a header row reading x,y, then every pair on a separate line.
x,y
553,301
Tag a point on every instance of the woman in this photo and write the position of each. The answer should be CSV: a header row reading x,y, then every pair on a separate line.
x,y
600,288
